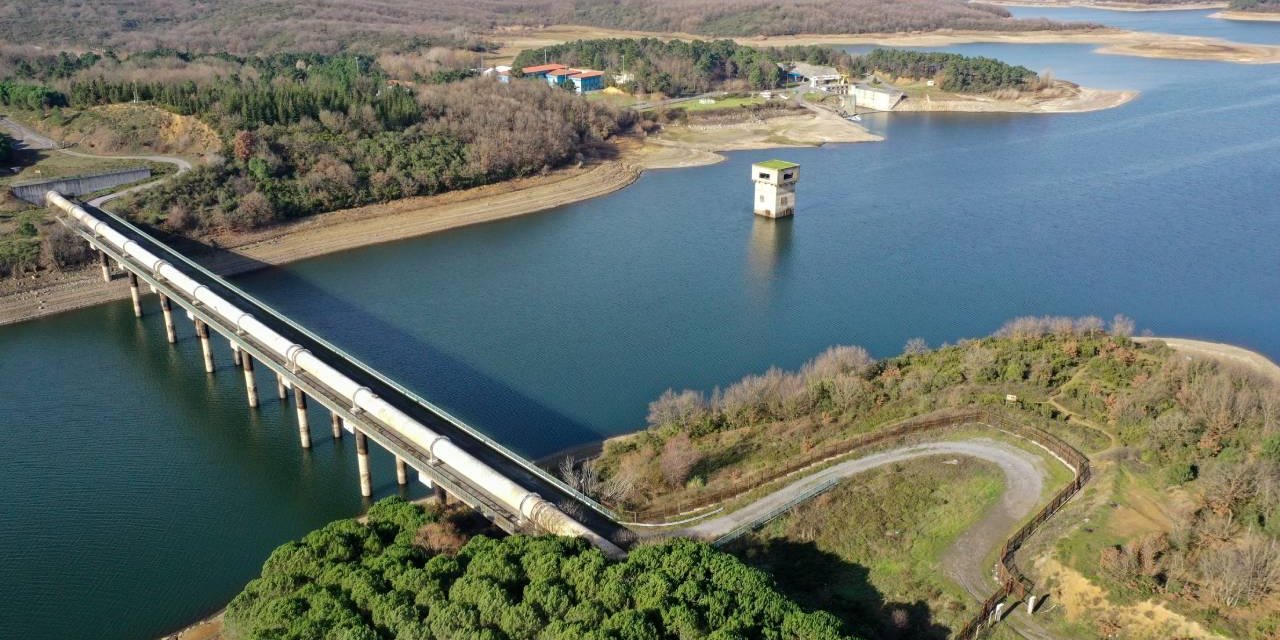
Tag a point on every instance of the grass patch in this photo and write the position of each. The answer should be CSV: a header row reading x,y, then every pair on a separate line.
x,y
877,540
723,103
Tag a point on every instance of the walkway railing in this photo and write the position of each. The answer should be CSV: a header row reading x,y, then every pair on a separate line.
x,y
1011,579
442,413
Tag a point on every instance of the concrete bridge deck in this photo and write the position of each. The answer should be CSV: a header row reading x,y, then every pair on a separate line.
x,y
508,464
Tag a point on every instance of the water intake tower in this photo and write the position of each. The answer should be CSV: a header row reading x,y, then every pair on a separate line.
x,y
775,187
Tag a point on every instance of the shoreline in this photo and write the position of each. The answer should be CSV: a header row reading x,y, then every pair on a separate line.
x,y
1137,7
1083,101
701,143
48,293
1112,40
1247,16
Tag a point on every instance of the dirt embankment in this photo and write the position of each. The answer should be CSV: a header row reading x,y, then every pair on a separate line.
x,y
1248,16
1063,98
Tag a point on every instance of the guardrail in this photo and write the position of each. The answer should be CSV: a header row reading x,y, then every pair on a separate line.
x,y
747,527
683,507
443,414
1012,581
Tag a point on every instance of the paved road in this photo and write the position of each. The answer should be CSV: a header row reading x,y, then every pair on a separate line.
x,y
30,139
965,562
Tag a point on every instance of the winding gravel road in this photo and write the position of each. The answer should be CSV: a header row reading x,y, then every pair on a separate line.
x,y
965,562
30,139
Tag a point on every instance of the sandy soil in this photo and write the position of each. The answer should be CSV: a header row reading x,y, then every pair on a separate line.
x,y
1079,99
1117,41
1110,6
1080,600
208,629
1251,16
1224,353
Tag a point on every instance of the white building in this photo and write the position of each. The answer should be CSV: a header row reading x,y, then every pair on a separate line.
x,y
881,97
815,75
775,187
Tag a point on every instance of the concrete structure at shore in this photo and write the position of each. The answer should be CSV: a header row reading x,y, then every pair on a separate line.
x,y
775,187
881,97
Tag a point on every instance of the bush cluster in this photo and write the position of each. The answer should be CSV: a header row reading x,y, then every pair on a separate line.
x,y
371,580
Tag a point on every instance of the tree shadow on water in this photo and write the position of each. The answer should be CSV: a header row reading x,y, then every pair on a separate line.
x,y
820,580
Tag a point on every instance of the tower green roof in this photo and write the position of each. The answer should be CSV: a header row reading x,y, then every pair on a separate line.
x,y
777,164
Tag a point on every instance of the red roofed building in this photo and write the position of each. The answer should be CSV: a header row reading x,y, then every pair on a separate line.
x,y
540,71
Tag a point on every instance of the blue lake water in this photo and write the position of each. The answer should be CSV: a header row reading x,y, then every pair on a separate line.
x,y
140,493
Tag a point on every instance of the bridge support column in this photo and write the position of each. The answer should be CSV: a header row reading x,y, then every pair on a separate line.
x,y
236,356
337,425
1031,604
362,459
135,294
105,264
441,496
282,391
402,473
202,330
170,331
250,386
304,425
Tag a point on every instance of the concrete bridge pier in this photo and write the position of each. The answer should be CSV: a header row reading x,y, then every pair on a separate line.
x,y
105,263
236,355
282,391
135,294
402,473
337,425
362,459
250,386
206,346
170,331
442,497
304,426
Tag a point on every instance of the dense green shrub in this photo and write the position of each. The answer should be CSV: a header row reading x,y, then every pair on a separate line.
x,y
957,72
355,581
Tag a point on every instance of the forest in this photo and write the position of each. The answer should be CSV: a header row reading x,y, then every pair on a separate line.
x,y
682,67
1255,5
285,163
306,133
246,27
408,572
962,74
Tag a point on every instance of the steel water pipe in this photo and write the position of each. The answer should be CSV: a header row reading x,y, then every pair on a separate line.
x,y
517,498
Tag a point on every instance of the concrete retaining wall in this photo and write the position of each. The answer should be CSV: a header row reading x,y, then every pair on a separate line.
x,y
33,192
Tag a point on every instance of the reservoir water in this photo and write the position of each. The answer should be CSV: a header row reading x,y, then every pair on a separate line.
x,y
140,493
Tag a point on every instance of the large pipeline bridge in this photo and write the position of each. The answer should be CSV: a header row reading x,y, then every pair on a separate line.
x,y
447,454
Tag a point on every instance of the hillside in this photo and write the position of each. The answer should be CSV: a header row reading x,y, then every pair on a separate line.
x,y
330,26
1262,6
1182,510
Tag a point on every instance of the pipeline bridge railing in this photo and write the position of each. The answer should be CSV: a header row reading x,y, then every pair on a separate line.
x,y
204,305
444,414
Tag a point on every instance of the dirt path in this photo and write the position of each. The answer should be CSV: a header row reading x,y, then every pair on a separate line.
x,y
965,561
29,138
1222,353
